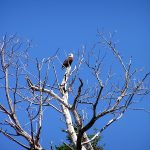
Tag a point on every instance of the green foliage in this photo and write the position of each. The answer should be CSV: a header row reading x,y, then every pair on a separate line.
x,y
62,147
95,144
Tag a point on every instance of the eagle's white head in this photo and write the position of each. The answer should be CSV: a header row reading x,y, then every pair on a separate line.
x,y
70,55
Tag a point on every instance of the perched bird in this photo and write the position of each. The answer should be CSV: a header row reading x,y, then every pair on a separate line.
x,y
68,61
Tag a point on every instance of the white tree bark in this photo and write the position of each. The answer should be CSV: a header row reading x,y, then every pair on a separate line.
x,y
65,110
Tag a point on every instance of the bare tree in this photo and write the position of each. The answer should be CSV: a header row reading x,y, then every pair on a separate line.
x,y
29,94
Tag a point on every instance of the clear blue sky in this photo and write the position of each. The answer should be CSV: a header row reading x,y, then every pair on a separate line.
x,y
70,24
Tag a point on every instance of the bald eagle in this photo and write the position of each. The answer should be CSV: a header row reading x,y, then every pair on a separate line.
x,y
68,61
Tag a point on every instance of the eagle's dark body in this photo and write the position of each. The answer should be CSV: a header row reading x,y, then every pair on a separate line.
x,y
68,61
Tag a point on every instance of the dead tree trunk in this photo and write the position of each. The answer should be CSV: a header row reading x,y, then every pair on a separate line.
x,y
70,128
